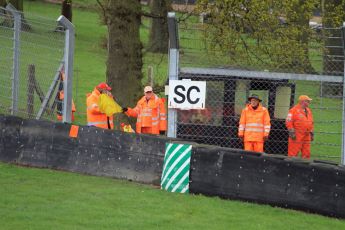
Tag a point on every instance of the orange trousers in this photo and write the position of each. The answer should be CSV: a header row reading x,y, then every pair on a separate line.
x,y
146,130
301,144
254,146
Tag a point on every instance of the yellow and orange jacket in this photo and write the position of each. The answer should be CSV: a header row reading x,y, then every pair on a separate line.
x,y
298,120
254,124
150,113
94,116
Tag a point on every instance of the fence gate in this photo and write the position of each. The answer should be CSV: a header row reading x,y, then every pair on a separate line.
x,y
36,60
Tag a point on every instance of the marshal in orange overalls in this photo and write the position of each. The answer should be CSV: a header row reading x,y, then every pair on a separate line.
x,y
60,99
150,113
300,122
254,127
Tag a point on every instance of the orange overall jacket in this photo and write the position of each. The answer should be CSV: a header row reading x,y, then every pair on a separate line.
x,y
297,119
150,114
303,124
94,116
254,124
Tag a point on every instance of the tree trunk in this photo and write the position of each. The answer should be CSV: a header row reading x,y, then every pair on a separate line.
x,y
30,91
18,4
66,9
158,39
124,62
332,64
3,3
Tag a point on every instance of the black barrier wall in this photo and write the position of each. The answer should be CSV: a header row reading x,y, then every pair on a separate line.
x,y
95,151
270,179
228,173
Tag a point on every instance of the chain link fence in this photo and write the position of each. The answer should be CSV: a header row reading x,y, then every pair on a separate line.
x,y
32,60
231,78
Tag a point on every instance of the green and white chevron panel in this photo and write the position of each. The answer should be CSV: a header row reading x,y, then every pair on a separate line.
x,y
175,174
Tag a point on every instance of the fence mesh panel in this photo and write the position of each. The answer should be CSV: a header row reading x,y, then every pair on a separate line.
x,y
231,79
40,51
6,59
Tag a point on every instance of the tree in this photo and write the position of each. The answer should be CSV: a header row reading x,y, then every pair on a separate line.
x,y
18,4
66,9
3,3
253,33
158,38
124,61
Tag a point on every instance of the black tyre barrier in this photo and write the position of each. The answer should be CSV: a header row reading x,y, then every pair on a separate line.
x,y
229,173
269,179
95,151
9,138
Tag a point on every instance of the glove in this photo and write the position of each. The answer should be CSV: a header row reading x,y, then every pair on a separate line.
x,y
162,132
311,136
292,134
124,109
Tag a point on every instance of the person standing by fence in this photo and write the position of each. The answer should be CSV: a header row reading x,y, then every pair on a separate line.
x,y
60,99
255,125
300,125
150,113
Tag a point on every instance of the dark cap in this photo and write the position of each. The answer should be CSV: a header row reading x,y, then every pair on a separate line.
x,y
254,96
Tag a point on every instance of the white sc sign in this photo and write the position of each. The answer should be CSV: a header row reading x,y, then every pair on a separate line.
x,y
187,94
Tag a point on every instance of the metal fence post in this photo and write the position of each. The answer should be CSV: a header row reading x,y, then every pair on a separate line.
x,y
173,68
69,54
343,114
16,45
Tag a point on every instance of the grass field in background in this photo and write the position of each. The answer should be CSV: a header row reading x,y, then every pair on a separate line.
x,y
46,199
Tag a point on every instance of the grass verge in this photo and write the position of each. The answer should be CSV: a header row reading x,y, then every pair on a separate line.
x,y
45,199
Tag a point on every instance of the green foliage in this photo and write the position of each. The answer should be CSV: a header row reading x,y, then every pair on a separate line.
x,y
334,12
272,34
46,199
